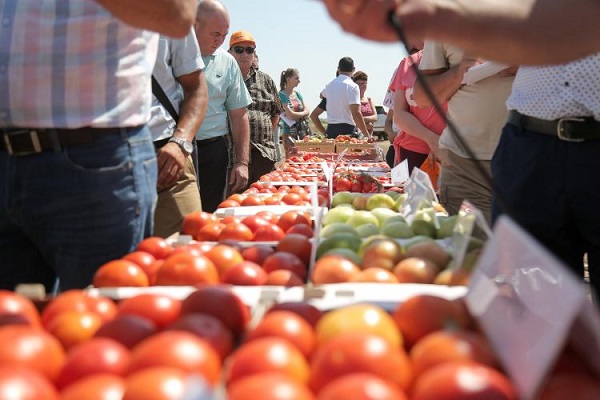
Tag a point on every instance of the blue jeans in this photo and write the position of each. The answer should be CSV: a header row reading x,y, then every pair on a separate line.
x,y
65,213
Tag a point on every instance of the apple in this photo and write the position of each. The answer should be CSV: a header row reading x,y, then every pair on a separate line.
x,y
362,217
335,228
397,230
383,214
342,198
340,240
360,202
338,214
380,200
400,201
367,230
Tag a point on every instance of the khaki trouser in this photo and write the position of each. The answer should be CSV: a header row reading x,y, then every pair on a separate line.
x,y
176,202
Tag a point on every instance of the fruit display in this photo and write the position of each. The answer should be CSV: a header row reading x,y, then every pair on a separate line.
x,y
209,345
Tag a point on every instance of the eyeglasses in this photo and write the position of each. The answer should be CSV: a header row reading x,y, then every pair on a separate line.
x,y
240,49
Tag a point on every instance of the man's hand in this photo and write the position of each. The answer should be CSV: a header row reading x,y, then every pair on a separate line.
x,y
365,18
171,160
238,179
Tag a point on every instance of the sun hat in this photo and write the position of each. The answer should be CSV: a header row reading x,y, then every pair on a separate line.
x,y
239,37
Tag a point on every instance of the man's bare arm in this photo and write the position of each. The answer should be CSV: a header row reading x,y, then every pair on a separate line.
x,y
359,120
240,132
169,17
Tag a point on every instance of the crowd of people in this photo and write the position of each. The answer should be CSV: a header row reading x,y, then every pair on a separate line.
x,y
173,122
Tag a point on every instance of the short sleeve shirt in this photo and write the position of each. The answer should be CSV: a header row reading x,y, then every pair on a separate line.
x,y
340,94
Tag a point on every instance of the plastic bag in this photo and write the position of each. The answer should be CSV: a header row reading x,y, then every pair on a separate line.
x,y
432,167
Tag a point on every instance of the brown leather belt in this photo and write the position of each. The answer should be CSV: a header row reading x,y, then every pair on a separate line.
x,y
26,141
571,129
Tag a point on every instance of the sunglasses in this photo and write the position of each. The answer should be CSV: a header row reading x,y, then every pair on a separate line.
x,y
240,49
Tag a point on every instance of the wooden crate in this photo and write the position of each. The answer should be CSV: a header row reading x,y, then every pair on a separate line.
x,y
354,147
315,147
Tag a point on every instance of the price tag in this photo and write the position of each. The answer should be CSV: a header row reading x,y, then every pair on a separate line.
x,y
467,217
525,300
400,173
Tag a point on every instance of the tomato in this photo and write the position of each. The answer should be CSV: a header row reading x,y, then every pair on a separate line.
x,y
443,346
254,221
374,274
128,330
230,219
12,303
79,300
292,199
22,383
156,383
157,246
245,273
98,355
290,218
228,204
423,314
224,257
257,253
364,386
269,216
95,387
120,273
287,261
194,221
161,309
333,269
566,385
463,381
252,201
236,197
74,327
221,302
286,325
301,229
268,233
236,232
34,348
210,232
282,277
269,354
177,349
270,385
359,352
143,259
297,244
356,187
308,312
416,270
208,328
186,269
342,185
363,318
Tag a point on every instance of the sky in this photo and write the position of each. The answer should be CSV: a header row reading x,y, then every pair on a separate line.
x,y
300,34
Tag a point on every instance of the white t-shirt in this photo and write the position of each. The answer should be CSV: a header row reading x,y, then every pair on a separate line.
x,y
340,94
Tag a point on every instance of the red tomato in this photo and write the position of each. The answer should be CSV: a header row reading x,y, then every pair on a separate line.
x,y
268,233
254,221
252,201
271,386
566,385
193,222
98,355
224,257
12,303
287,261
463,381
301,229
282,277
156,383
79,300
186,269
257,253
245,273
308,312
95,387
208,328
297,244
120,273
236,232
286,325
290,218
210,232
143,259
333,269
228,204
364,386
22,383
269,354
128,330
157,246
291,199
342,185
269,216
177,349
33,348
74,327
159,308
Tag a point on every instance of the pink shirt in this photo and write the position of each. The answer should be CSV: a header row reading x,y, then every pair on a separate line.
x,y
404,80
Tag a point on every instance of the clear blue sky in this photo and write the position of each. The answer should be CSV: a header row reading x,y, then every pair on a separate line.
x,y
300,34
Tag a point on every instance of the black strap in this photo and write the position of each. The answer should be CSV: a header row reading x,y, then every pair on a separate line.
x,y
158,91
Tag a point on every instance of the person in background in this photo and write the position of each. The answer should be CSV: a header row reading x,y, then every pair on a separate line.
x,y
478,110
367,108
314,116
343,103
77,166
420,128
391,131
227,102
295,111
546,163
512,31
264,111
178,71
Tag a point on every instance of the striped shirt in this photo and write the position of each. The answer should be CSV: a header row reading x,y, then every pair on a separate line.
x,y
70,64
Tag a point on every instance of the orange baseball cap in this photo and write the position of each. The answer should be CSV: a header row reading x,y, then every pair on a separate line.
x,y
239,37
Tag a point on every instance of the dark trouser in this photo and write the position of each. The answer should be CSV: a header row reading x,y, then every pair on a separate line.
x,y
390,156
212,171
413,158
335,130
259,166
551,189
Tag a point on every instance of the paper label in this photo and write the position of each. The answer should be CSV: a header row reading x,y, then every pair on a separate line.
x,y
400,173
525,300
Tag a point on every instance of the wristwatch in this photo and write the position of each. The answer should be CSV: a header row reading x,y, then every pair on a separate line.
x,y
185,145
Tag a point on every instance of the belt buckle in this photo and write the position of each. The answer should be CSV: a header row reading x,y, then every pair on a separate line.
x,y
33,136
560,129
